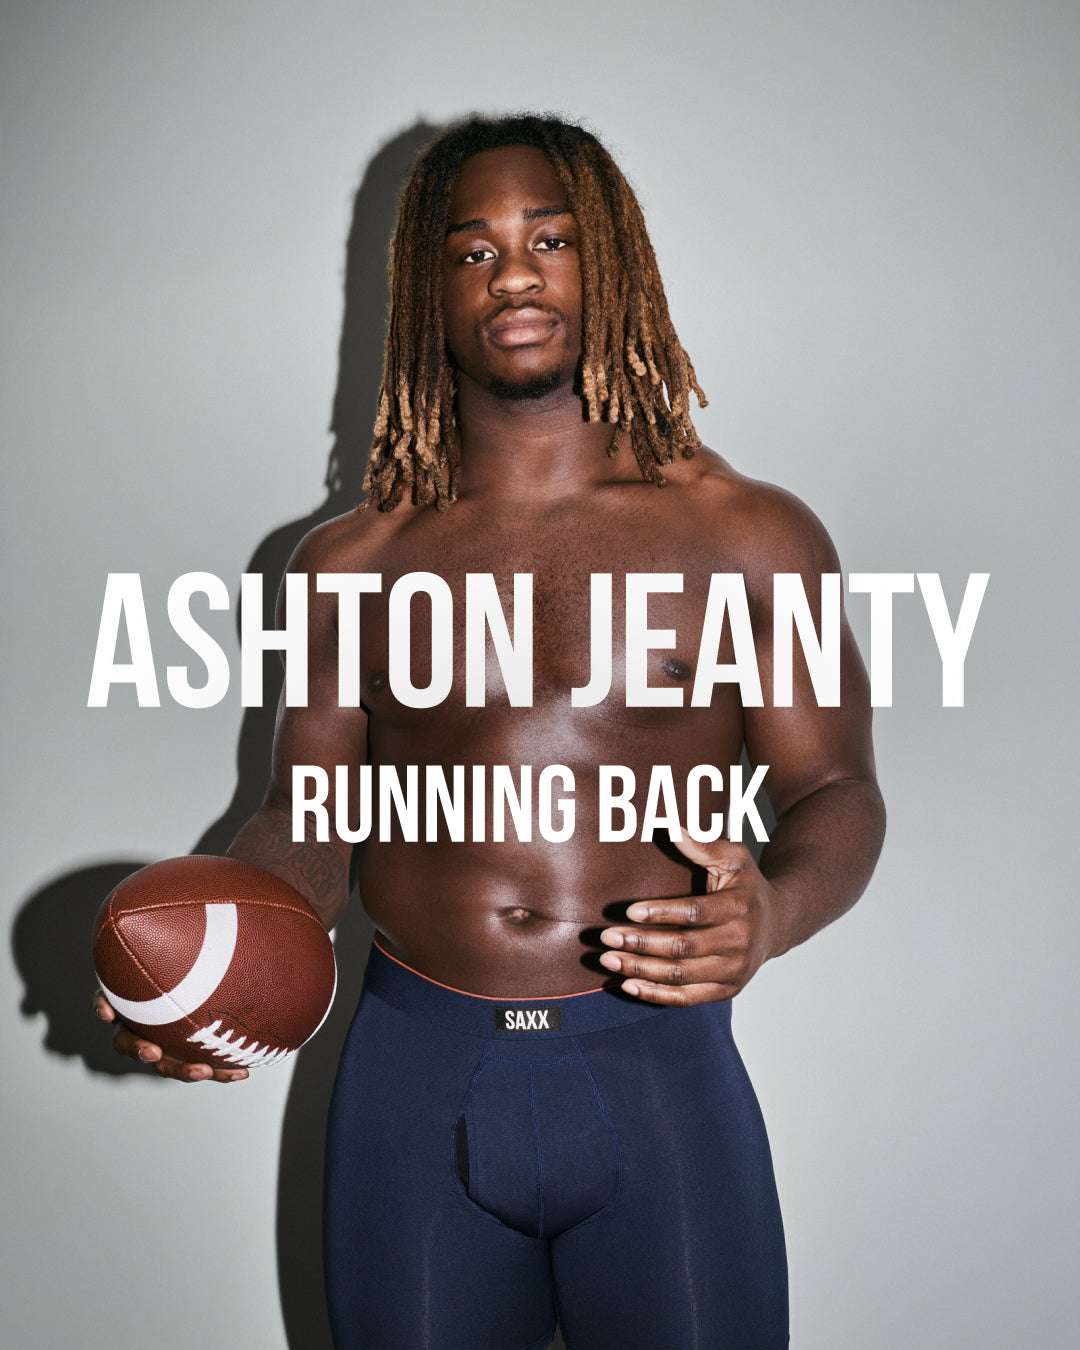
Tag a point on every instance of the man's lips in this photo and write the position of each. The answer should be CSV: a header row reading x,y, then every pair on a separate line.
x,y
521,327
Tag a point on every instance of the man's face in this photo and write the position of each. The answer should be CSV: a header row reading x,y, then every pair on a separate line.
x,y
512,275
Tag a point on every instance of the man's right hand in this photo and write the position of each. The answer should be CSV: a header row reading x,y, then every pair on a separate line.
x,y
146,1052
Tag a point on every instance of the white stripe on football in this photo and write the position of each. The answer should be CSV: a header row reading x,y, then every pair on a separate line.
x,y
199,984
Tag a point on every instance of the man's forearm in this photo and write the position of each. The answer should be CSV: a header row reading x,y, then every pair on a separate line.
x,y
319,871
821,856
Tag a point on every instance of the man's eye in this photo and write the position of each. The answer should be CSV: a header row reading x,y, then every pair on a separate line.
x,y
478,255
553,243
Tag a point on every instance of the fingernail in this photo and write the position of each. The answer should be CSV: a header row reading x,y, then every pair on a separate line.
x,y
630,988
610,961
637,913
611,937
146,1055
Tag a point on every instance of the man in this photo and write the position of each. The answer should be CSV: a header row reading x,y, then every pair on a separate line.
x,y
539,1105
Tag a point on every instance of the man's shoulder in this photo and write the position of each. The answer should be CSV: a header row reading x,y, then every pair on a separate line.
x,y
353,542
765,525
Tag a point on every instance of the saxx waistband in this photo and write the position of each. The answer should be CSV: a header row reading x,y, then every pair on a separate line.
x,y
522,1018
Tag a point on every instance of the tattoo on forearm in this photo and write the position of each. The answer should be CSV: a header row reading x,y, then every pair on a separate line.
x,y
313,874
317,870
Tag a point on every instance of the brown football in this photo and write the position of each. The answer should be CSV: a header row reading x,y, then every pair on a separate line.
x,y
215,960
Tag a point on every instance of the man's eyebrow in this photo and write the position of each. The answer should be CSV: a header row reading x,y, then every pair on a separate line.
x,y
544,212
529,214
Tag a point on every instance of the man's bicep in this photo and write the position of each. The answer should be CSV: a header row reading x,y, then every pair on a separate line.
x,y
310,744
807,746
824,735
320,736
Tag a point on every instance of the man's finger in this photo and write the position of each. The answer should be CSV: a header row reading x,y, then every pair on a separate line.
x,y
673,942
127,1043
696,911
722,935
679,996
722,855
165,1066
680,974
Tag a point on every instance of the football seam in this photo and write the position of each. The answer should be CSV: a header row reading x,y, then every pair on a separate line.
x,y
306,915
136,961
185,1020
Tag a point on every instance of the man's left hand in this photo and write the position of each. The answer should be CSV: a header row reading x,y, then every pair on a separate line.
x,y
701,948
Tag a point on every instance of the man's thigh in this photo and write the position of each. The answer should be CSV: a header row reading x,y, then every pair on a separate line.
x,y
411,1262
690,1253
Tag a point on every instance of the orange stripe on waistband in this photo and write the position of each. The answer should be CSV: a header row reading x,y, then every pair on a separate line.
x,y
487,998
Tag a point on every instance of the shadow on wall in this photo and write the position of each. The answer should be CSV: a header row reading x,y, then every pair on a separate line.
x,y
51,931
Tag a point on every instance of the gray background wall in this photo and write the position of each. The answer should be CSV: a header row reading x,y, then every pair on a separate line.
x,y
866,216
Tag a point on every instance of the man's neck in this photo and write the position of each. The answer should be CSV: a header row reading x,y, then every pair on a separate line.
x,y
529,449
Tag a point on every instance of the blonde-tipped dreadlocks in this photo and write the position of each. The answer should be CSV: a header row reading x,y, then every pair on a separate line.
x,y
634,371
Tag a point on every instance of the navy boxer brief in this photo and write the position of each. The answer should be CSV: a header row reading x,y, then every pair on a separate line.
x,y
495,1164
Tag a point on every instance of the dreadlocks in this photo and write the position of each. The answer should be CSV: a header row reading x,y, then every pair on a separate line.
x,y
634,371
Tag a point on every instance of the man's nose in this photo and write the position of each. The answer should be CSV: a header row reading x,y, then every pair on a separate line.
x,y
516,273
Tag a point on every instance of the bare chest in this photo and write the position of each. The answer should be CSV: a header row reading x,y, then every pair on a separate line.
x,y
526,613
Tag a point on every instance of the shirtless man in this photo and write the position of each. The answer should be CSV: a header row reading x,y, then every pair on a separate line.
x,y
539,1106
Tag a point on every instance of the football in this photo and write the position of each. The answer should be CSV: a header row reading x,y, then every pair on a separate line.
x,y
215,960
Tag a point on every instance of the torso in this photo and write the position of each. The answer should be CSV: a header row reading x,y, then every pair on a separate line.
x,y
517,918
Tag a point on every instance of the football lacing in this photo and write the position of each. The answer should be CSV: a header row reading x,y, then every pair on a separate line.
x,y
232,1050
